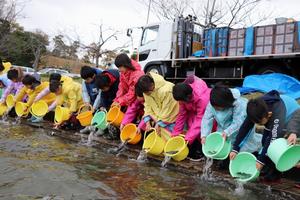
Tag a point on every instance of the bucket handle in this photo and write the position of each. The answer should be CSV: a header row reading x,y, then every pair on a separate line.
x,y
81,107
186,142
150,131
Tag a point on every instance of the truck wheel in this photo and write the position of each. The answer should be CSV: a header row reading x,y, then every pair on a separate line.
x,y
155,69
270,69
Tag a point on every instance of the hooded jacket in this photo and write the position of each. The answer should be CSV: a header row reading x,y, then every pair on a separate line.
x,y
160,104
90,93
228,120
108,96
283,110
46,91
71,96
49,98
191,112
126,95
134,110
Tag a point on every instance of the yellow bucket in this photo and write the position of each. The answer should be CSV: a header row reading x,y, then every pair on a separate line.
x,y
115,116
153,143
10,101
3,109
85,118
130,133
61,114
20,108
39,108
176,148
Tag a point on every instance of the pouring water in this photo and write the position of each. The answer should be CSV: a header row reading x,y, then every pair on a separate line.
x,y
166,160
142,156
239,190
207,169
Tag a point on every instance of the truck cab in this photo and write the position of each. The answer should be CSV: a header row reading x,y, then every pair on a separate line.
x,y
155,44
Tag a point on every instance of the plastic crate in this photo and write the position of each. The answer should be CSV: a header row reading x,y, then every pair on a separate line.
x,y
236,42
264,39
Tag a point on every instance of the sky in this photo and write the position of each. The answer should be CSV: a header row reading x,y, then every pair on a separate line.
x,y
82,17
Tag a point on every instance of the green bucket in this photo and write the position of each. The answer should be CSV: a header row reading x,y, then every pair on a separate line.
x,y
243,167
283,155
216,147
99,120
0,92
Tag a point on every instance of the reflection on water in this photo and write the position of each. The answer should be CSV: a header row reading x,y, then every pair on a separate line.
x,y
34,165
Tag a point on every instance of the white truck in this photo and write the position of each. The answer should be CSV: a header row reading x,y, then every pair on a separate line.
x,y
275,48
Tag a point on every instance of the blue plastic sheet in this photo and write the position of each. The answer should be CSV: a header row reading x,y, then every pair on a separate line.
x,y
264,83
199,53
249,41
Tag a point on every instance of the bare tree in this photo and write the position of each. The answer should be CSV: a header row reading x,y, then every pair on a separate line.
x,y
167,9
10,10
211,13
97,50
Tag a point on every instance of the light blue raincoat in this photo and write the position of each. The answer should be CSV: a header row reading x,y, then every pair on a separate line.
x,y
229,122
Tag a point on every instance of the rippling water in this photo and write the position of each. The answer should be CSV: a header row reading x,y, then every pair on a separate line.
x,y
34,165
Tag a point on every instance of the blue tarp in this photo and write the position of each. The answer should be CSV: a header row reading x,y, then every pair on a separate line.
x,y
249,41
264,83
199,53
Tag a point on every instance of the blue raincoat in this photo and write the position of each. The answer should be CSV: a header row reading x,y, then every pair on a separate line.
x,y
229,122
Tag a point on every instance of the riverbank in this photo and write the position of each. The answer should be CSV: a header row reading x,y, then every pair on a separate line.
x,y
285,188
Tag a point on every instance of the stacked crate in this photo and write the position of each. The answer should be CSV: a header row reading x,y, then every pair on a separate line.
x,y
222,41
215,41
236,42
264,39
285,38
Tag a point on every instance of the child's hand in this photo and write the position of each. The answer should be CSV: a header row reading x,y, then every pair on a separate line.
x,y
157,127
224,135
232,155
298,165
148,126
203,140
259,166
292,139
115,104
121,127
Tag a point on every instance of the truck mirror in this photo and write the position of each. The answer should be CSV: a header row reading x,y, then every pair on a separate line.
x,y
129,32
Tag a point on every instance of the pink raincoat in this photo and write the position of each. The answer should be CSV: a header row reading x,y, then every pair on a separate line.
x,y
134,110
191,112
126,95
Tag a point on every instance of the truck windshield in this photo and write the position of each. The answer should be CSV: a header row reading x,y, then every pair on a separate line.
x,y
149,35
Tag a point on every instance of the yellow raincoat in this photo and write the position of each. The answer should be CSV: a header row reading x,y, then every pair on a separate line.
x,y
49,98
161,105
7,66
66,79
71,96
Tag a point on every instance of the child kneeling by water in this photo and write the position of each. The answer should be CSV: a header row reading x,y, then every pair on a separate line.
x,y
193,97
32,87
135,111
70,96
280,116
228,109
161,108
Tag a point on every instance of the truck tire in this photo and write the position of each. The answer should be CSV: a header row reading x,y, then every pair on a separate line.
x,y
270,69
155,69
